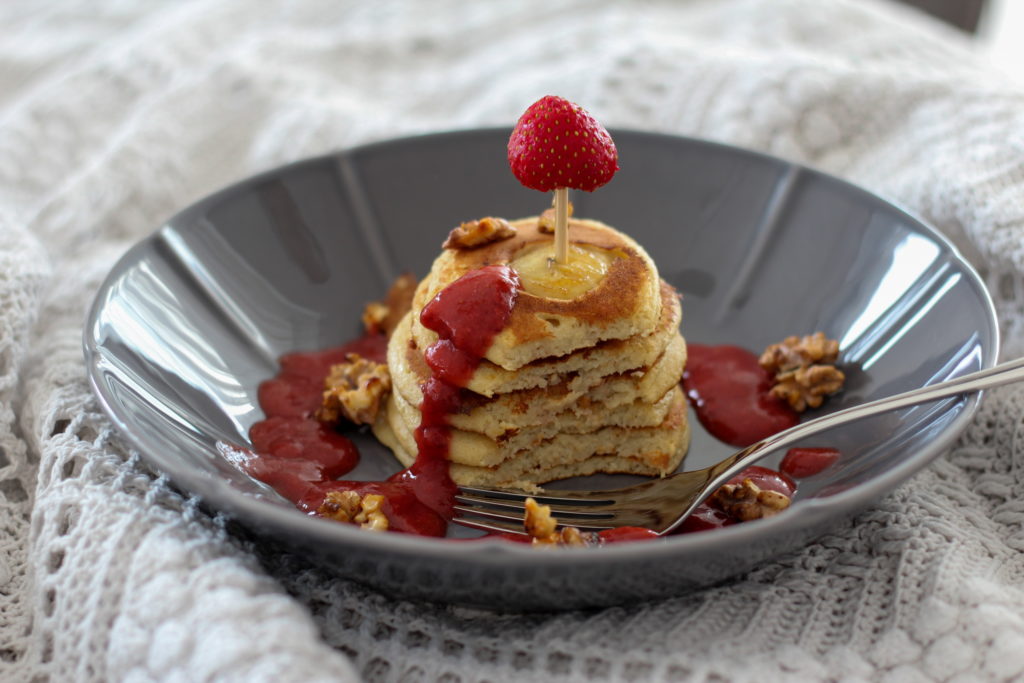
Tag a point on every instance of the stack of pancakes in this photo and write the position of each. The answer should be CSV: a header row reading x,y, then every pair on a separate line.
x,y
571,386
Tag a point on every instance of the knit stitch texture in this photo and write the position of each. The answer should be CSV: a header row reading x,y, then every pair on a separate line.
x,y
114,115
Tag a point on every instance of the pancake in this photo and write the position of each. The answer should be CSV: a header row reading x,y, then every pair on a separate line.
x,y
474,448
527,407
583,369
653,451
583,378
625,303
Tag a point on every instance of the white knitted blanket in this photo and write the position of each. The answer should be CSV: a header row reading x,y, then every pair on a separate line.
x,y
113,115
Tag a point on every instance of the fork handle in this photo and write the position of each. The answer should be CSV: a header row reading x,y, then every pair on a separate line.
x,y
1004,373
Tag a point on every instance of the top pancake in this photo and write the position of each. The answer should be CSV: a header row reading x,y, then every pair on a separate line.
x,y
582,369
624,303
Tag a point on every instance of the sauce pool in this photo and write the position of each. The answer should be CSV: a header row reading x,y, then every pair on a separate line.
x,y
807,462
730,392
293,452
302,458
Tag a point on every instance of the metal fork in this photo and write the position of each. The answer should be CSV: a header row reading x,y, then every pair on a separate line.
x,y
663,504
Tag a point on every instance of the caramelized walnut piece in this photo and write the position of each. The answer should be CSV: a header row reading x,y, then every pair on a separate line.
x,y
354,390
805,388
546,222
478,233
374,315
351,508
341,506
797,352
539,524
537,519
803,369
746,501
370,515
381,317
570,535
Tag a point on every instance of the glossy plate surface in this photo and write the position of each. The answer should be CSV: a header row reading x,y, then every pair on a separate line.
x,y
193,318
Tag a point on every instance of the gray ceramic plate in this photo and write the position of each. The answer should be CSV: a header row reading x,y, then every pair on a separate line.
x,y
193,318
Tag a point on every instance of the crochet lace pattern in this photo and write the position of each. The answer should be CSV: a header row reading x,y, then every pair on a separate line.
x,y
115,115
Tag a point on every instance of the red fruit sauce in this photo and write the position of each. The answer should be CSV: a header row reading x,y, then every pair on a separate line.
x,y
296,391
705,518
729,391
806,462
293,451
466,315
626,533
301,457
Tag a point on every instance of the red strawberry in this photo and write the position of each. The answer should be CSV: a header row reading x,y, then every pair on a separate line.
x,y
558,144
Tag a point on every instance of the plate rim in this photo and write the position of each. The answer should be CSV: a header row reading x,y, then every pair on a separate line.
x,y
220,494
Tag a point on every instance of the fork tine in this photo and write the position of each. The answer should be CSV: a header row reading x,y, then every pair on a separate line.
x,y
570,498
495,527
493,515
588,512
514,522
504,494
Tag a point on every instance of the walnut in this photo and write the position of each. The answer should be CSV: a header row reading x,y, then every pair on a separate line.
x,y
351,508
546,222
570,535
746,501
805,388
543,528
478,233
354,390
803,369
371,515
796,352
381,317
341,506
537,520
374,315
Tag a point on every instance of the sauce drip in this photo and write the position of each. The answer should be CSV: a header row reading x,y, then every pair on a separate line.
x,y
466,315
301,457
729,391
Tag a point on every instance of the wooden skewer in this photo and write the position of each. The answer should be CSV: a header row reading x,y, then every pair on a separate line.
x,y
562,225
